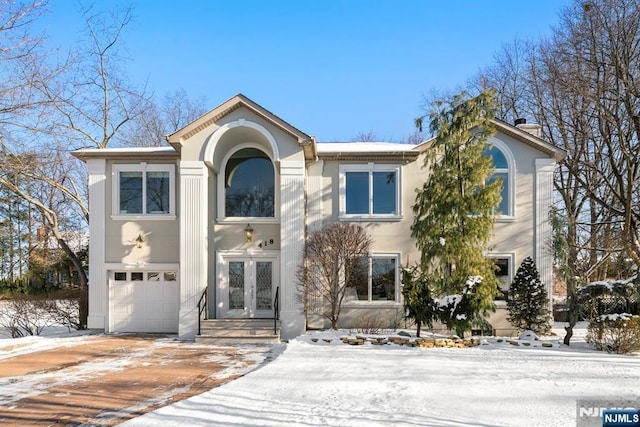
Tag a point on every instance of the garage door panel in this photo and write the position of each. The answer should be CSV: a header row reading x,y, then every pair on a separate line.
x,y
143,305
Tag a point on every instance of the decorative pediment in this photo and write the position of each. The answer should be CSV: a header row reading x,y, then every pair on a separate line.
x,y
180,137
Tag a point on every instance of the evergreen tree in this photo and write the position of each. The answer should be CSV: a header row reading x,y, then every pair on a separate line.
x,y
418,304
528,302
454,210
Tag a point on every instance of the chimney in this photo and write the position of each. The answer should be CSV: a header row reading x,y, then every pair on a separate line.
x,y
533,128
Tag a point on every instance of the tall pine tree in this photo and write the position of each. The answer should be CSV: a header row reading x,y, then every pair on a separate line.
x,y
454,210
528,302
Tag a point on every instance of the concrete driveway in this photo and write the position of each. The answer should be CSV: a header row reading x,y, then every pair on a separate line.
x,y
105,380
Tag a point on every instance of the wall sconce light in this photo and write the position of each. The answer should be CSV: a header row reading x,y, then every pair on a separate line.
x,y
248,233
139,240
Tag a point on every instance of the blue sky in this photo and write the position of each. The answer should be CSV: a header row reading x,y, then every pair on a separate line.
x,y
333,69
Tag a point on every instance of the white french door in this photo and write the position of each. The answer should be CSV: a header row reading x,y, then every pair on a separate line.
x,y
246,285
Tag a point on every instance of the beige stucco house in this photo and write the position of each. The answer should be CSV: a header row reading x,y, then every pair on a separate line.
x,y
169,225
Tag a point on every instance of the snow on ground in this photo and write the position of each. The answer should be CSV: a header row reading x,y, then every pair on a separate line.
x,y
330,383
13,390
53,338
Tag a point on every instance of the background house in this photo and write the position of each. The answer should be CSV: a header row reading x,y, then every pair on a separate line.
x,y
169,224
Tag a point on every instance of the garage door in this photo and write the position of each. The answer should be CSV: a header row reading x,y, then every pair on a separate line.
x,y
144,301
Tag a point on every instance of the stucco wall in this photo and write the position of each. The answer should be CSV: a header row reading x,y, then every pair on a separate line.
x,y
513,236
387,235
213,145
161,235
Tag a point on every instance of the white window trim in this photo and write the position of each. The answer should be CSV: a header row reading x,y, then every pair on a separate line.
x,y
510,256
369,167
112,267
221,191
142,167
398,288
511,176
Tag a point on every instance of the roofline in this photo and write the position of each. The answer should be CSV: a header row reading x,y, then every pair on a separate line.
x,y
521,135
425,145
163,153
228,106
178,138
405,156
556,152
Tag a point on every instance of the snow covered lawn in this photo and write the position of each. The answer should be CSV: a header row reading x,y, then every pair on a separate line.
x,y
322,383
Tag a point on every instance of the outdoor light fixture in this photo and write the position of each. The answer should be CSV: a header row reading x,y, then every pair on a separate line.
x,y
248,232
139,240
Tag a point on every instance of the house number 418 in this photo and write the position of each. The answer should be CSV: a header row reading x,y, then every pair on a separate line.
x,y
265,243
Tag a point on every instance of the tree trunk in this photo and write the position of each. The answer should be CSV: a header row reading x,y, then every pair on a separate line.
x,y
84,282
573,309
568,335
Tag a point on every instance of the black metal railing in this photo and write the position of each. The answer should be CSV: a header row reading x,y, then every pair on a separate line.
x,y
202,306
276,310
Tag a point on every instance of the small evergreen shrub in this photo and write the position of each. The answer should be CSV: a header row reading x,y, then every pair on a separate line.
x,y
418,303
527,301
615,333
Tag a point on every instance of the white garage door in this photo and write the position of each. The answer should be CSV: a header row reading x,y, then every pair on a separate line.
x,y
144,301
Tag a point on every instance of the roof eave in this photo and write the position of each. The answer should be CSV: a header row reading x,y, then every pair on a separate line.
x,y
540,144
523,136
404,156
309,148
85,155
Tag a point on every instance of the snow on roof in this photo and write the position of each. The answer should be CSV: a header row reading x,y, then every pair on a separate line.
x,y
128,150
363,147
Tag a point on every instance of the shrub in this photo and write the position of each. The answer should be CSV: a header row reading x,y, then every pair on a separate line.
x,y
528,301
418,304
23,315
615,333
370,325
65,312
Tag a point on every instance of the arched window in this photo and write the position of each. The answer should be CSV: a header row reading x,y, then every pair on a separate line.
x,y
502,163
249,183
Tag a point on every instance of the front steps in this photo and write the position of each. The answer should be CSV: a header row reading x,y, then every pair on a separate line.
x,y
238,331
